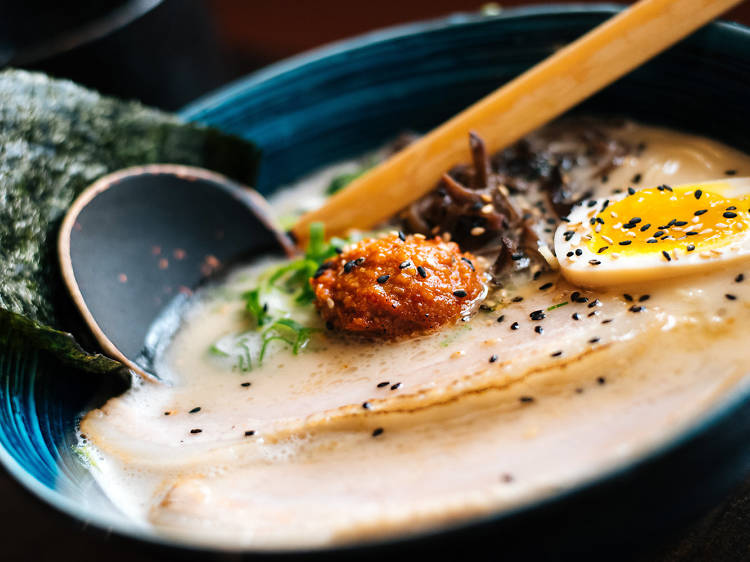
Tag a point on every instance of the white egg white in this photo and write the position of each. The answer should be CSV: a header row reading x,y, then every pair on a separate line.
x,y
582,266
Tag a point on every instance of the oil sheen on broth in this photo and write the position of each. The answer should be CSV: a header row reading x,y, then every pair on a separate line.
x,y
357,440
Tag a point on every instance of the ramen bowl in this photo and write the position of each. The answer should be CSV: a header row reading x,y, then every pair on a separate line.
x,y
350,97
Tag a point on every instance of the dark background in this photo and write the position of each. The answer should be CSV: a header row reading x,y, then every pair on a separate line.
x,y
174,52
184,48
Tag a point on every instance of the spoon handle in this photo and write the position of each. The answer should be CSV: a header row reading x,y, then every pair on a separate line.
x,y
542,93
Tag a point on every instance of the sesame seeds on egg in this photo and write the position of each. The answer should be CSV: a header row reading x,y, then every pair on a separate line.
x,y
656,233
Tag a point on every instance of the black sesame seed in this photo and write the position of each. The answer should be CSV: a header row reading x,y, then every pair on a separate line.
x,y
574,295
730,172
700,212
539,329
546,286
691,233
396,386
601,380
594,340
594,262
517,256
729,215
246,384
631,191
645,227
603,248
422,272
468,261
644,298
537,315
195,410
250,433
348,266
625,243
383,278
195,431
570,254
367,405
579,252
635,308
731,297
605,204
576,316
698,194
501,318
732,208
651,241
382,384
740,278
594,303
680,223
404,264
665,186
568,234
493,358
517,299
605,178
635,220
690,247
377,431
537,275
402,236
556,354
591,203
657,234
527,399
514,326
666,255
460,293
628,297
359,261
167,413
607,321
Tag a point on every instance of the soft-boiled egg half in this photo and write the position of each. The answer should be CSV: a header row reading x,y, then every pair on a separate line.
x,y
655,233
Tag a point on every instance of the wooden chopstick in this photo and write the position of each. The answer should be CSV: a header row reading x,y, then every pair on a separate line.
x,y
544,92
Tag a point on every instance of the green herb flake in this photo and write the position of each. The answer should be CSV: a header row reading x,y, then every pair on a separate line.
x,y
554,306
340,182
257,310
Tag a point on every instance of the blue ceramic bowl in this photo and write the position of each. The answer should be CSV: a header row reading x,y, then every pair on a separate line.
x,y
352,96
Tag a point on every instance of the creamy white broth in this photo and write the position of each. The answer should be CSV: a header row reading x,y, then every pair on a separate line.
x,y
462,436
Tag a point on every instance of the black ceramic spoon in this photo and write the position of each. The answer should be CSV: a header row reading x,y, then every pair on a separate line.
x,y
138,238
135,238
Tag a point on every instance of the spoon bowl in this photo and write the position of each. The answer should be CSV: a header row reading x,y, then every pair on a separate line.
x,y
139,238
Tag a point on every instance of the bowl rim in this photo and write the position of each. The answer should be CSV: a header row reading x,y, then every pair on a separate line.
x,y
713,416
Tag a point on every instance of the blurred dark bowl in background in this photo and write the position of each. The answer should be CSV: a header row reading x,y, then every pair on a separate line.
x,y
167,53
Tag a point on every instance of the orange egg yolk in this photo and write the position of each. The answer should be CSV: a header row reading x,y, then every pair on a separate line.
x,y
672,220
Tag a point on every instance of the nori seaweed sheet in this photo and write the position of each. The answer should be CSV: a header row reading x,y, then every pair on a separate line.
x,y
56,138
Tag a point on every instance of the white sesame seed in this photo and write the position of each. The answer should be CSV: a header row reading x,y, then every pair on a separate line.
x,y
477,231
